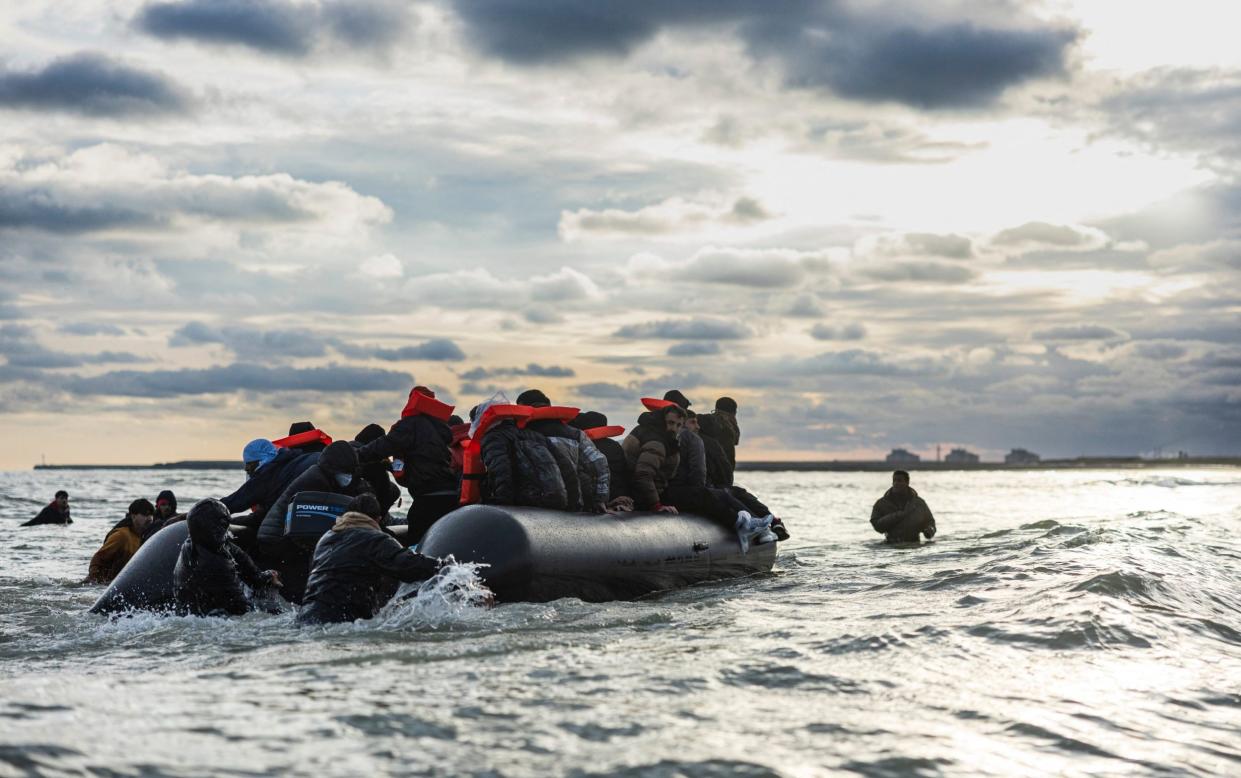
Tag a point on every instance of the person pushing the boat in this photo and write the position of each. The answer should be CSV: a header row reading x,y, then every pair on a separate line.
x,y
211,567
900,514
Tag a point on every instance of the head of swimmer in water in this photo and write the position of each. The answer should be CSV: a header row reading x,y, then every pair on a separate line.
x,y
141,513
62,500
900,483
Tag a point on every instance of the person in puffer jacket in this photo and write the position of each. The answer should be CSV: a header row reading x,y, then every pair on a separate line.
x,y
620,496
521,468
589,467
652,456
351,564
211,567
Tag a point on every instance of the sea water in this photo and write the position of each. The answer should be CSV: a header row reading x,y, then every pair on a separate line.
x,y
1061,622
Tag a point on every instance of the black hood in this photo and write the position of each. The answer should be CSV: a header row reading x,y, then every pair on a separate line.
x,y
589,420
170,497
369,432
298,427
208,521
340,457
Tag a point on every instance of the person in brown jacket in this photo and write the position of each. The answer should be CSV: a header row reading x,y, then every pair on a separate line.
x,y
652,456
900,514
121,543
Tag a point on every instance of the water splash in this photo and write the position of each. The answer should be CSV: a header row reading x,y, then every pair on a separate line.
x,y
453,595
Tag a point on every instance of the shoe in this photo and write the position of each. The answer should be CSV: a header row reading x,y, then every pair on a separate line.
x,y
764,537
781,532
742,526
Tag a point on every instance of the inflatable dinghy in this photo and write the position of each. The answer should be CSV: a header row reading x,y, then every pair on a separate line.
x,y
536,555
531,554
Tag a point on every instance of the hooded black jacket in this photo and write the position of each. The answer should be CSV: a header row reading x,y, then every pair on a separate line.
x,y
349,565
726,433
618,468
377,473
692,470
522,468
49,515
719,471
336,458
422,443
210,568
264,488
902,519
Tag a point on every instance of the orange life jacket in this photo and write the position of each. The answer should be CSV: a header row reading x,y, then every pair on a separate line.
x,y
302,438
558,412
611,431
655,404
426,405
472,469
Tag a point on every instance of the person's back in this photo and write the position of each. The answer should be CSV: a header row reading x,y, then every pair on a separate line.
x,y
721,425
584,469
55,512
901,515
521,468
211,567
350,564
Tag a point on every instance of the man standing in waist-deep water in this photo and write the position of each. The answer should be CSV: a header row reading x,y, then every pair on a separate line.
x,y
121,543
55,512
900,514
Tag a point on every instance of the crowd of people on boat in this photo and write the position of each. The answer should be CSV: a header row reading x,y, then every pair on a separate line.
x,y
528,453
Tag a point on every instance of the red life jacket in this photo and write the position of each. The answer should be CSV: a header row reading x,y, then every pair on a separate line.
x,y
426,405
654,404
558,412
302,438
611,431
472,469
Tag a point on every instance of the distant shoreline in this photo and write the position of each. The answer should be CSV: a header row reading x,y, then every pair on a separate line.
x,y
839,466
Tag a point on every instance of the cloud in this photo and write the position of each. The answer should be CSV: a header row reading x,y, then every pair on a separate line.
x,y
434,350
1214,257
1158,351
563,285
602,390
763,268
851,50
93,84
532,369
107,187
823,331
806,306
1059,236
21,349
950,246
87,329
675,215
700,328
693,349
280,27
927,272
1078,332
239,377
381,267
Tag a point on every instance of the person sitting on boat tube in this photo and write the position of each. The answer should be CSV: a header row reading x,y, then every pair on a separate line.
x,y
121,543
596,427
419,443
652,456
335,473
211,567
269,471
900,514
520,467
351,564
55,512
588,465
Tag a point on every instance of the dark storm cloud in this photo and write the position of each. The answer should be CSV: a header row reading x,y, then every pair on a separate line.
x,y
693,349
279,27
687,329
863,55
532,369
39,208
92,84
238,377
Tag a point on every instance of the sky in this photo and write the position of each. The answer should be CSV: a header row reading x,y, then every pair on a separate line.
x,y
874,224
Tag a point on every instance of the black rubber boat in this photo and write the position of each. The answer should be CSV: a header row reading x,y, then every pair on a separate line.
x,y
530,554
